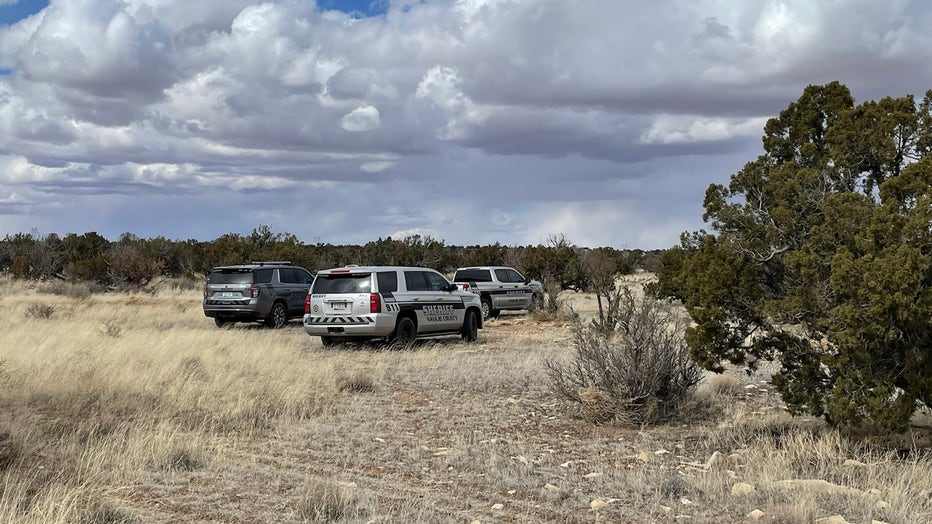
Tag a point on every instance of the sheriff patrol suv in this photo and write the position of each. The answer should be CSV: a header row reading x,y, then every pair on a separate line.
x,y
395,303
499,288
270,292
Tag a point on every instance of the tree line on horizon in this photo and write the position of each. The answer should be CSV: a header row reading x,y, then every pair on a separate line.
x,y
131,262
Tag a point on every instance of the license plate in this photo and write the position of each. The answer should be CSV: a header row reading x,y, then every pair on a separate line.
x,y
228,294
339,306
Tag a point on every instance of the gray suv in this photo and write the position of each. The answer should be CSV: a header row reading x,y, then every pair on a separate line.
x,y
269,292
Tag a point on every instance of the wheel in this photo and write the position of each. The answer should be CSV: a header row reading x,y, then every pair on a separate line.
x,y
405,331
220,322
470,329
486,308
278,317
327,341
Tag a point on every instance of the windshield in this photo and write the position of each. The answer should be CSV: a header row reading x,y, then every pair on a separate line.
x,y
343,283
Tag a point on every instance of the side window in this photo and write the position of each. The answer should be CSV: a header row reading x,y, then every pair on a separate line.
x,y
502,275
303,277
415,281
434,281
388,281
286,276
263,276
515,276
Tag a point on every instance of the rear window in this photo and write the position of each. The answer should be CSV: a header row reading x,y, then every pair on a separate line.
x,y
472,275
230,276
343,283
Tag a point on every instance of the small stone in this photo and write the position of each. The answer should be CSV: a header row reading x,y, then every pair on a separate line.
x,y
477,521
713,460
599,503
742,488
881,504
731,474
592,475
879,522
854,463
550,487
498,507
566,464
834,519
756,514
685,501
522,459
661,452
643,456
511,491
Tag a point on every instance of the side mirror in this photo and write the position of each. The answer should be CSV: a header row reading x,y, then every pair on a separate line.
x,y
451,287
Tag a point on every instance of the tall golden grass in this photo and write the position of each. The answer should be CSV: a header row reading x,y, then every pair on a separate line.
x,y
135,408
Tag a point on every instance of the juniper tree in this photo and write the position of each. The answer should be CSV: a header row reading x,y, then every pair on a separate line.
x,y
820,258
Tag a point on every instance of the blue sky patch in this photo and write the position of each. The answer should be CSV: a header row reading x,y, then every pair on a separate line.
x,y
10,14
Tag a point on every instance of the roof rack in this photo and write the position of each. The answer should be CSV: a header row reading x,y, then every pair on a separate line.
x,y
272,262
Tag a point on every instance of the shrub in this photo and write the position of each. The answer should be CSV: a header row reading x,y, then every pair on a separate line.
x,y
639,372
78,291
356,382
324,501
40,311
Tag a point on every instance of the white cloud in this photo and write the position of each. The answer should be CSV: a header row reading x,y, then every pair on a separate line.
x,y
363,118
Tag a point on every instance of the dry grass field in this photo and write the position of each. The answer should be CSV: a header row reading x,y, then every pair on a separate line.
x,y
135,408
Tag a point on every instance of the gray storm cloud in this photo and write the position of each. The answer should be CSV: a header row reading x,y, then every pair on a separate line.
x,y
488,120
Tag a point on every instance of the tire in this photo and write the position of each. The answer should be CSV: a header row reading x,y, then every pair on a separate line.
x,y
470,329
405,332
487,310
327,341
278,316
219,322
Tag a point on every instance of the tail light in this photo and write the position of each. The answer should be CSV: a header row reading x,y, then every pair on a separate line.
x,y
465,287
375,303
254,291
307,304
205,290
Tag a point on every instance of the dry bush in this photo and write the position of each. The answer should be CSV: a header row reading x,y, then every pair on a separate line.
x,y
111,328
108,515
325,501
40,311
553,303
355,382
183,459
642,365
724,385
11,450
77,291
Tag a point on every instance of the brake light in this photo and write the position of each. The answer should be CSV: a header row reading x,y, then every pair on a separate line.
x,y
307,304
465,287
375,303
254,291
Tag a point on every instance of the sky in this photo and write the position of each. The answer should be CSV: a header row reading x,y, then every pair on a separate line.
x,y
471,121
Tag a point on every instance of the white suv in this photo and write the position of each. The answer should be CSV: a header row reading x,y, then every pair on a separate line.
x,y
395,303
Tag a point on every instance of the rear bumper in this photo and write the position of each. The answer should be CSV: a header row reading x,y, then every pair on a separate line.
x,y
240,309
373,325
